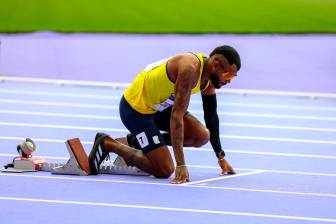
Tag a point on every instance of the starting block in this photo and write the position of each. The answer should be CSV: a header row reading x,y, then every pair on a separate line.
x,y
78,164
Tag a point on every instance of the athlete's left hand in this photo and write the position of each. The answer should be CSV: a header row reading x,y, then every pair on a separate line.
x,y
226,167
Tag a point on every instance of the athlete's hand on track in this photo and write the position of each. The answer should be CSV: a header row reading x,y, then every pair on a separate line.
x,y
181,175
226,167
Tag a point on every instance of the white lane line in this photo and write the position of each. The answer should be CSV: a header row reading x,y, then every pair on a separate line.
x,y
257,138
85,128
52,114
223,177
44,157
41,139
70,95
270,171
276,154
207,167
210,150
87,179
278,116
204,150
199,102
101,117
300,128
59,104
200,112
188,148
122,86
62,82
245,92
217,212
266,191
262,153
271,106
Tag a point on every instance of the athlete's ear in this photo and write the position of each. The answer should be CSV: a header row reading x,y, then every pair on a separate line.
x,y
215,63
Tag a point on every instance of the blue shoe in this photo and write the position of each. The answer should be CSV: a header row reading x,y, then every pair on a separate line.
x,y
98,153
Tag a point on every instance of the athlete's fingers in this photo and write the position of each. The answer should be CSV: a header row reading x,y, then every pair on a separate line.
x,y
226,167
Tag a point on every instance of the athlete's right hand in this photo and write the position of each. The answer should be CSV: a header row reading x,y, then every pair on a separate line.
x,y
181,175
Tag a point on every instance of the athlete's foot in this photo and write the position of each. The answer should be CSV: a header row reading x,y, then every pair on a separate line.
x,y
98,153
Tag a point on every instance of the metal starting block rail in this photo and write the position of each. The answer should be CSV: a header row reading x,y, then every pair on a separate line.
x,y
106,168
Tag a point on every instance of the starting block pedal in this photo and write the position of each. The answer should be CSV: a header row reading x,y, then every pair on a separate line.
x,y
78,164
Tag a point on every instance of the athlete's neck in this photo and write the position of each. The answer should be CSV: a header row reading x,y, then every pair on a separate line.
x,y
205,74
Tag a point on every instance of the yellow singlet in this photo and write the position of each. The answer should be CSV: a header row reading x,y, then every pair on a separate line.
x,y
152,90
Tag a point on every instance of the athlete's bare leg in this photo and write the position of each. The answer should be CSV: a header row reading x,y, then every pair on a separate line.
x,y
122,140
157,162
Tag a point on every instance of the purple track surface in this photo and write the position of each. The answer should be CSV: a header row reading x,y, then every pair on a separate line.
x,y
282,148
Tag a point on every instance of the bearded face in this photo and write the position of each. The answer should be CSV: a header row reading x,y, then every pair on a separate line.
x,y
215,81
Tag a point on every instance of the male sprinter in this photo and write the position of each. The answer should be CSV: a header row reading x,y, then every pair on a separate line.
x,y
157,100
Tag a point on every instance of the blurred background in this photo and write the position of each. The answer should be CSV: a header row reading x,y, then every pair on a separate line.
x,y
285,45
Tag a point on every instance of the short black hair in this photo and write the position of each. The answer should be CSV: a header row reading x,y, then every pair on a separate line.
x,y
229,53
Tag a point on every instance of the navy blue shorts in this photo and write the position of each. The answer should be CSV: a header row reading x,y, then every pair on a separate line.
x,y
145,127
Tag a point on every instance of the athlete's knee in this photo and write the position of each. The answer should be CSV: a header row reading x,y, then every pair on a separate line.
x,y
162,162
202,138
164,171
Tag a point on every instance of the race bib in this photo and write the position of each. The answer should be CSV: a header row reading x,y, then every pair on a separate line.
x,y
164,105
